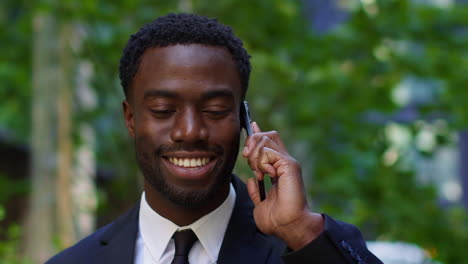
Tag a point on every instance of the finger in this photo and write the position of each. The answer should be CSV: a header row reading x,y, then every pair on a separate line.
x,y
255,127
268,157
274,135
256,152
253,140
258,175
253,152
250,144
283,165
252,188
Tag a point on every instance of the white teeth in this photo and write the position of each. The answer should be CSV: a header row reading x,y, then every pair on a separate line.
x,y
189,163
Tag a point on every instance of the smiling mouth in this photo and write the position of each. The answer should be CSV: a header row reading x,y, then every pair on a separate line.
x,y
189,162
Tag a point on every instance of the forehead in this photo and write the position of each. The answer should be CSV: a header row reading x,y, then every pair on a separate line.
x,y
195,66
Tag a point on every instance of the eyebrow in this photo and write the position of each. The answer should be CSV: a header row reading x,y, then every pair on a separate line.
x,y
226,93
159,93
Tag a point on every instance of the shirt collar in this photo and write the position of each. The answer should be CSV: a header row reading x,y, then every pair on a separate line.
x,y
157,231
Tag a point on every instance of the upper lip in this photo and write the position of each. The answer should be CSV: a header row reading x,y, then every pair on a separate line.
x,y
189,154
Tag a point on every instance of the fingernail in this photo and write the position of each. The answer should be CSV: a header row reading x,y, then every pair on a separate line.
x,y
245,150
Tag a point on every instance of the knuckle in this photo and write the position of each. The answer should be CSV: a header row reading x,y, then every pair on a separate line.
x,y
293,161
274,134
254,136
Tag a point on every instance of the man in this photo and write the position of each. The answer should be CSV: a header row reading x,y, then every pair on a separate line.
x,y
184,78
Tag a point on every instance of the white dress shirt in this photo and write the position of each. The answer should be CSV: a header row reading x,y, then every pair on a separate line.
x,y
154,244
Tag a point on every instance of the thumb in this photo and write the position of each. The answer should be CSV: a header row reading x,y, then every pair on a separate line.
x,y
252,188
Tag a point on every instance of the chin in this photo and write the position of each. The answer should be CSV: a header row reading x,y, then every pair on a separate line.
x,y
190,198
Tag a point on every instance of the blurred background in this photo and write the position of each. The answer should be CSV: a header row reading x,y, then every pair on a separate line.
x,y
368,94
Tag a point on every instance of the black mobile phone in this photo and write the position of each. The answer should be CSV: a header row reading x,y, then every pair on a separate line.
x,y
246,120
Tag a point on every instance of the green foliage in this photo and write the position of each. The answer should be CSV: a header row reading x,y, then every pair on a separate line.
x,y
15,68
10,237
9,188
9,247
318,90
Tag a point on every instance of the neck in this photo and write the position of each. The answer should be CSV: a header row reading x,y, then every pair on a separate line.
x,y
179,215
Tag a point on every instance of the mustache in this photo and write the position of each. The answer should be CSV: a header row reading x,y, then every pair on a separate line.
x,y
163,149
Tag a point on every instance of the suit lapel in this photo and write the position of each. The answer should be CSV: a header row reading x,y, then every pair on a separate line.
x,y
118,242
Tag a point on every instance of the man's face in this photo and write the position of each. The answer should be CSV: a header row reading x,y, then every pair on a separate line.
x,y
183,114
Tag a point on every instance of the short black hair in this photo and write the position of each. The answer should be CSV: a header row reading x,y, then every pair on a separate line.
x,y
182,28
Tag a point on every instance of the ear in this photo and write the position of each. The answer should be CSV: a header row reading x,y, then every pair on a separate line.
x,y
129,118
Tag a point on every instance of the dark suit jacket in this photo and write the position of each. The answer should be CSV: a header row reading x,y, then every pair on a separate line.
x,y
243,242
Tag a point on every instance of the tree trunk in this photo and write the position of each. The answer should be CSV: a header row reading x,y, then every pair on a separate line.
x,y
49,216
63,187
40,222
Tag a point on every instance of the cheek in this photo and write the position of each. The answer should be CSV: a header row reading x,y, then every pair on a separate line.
x,y
151,130
228,133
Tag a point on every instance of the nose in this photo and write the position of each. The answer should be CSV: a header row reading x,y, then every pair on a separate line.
x,y
189,127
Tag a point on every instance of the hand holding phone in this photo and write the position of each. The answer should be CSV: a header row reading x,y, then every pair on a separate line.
x,y
278,215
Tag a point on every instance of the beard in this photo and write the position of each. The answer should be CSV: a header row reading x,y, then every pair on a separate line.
x,y
150,165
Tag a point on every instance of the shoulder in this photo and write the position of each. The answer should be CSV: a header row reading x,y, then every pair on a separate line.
x,y
82,251
340,242
343,233
121,232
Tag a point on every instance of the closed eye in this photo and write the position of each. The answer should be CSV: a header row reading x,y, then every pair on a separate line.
x,y
217,114
162,113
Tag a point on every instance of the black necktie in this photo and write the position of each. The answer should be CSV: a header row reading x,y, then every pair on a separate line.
x,y
183,243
